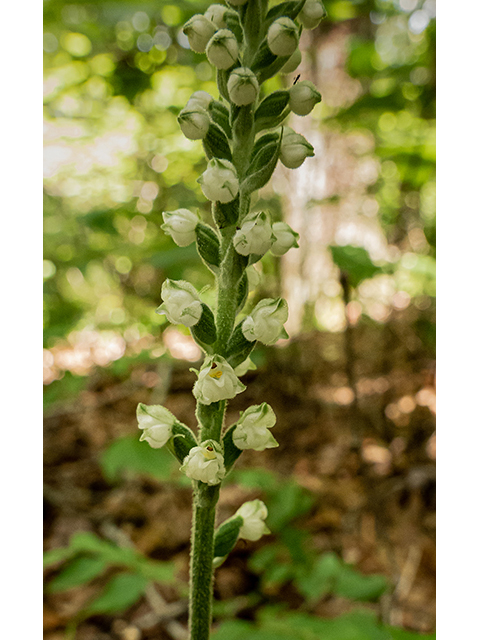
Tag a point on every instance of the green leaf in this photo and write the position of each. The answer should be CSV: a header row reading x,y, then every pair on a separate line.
x,y
319,579
242,292
216,143
55,556
231,452
401,634
272,110
129,454
238,347
205,331
121,592
262,166
288,9
226,537
287,504
355,262
220,114
78,571
355,586
208,246
226,213
233,23
182,441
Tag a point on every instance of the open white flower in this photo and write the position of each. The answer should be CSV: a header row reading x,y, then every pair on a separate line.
x,y
282,37
303,97
216,381
253,514
205,463
180,225
266,321
181,303
194,122
242,86
157,423
294,149
252,429
311,14
255,236
285,238
199,30
219,181
222,49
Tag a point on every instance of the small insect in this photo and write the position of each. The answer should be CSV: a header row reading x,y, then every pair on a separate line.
x,y
296,79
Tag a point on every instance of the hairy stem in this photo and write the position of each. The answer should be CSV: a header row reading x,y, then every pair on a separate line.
x,y
201,571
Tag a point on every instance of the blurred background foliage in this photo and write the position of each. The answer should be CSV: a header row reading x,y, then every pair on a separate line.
x,y
116,75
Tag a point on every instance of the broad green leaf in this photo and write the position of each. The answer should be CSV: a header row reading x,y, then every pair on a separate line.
x,y
129,454
355,262
78,571
121,592
319,579
355,586
401,634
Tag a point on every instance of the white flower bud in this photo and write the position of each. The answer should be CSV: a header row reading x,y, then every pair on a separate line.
x,y
219,182
255,235
157,423
311,14
303,97
205,463
294,149
216,381
282,37
199,99
222,49
253,514
292,63
252,429
286,238
181,304
266,321
242,86
194,122
199,30
216,14
180,225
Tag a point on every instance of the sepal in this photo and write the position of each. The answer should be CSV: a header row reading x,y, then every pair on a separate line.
x,y
208,246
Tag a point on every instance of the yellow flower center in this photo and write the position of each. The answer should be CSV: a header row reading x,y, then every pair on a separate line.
x,y
215,373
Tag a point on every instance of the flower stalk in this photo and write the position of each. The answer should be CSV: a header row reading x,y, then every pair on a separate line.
x,y
244,138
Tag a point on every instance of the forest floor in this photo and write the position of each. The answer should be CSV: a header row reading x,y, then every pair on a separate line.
x,y
356,427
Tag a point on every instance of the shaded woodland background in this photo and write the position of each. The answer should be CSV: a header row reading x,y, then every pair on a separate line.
x,y
351,489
